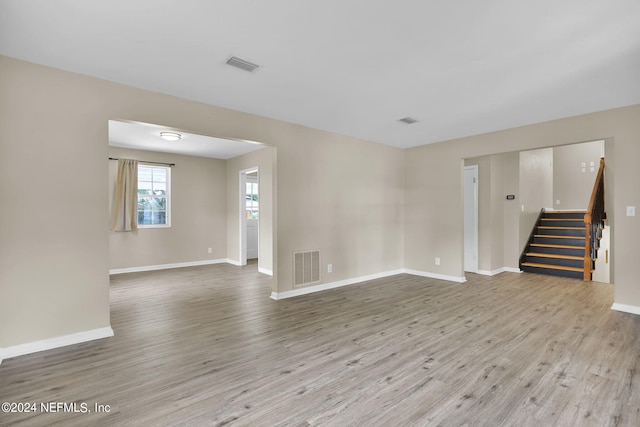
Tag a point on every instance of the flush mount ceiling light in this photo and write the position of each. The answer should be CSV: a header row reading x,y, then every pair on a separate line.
x,y
170,136
408,120
234,61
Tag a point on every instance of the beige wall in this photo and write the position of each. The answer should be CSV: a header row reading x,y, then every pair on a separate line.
x,y
511,209
369,208
198,214
263,159
434,182
54,256
572,187
536,188
498,218
341,195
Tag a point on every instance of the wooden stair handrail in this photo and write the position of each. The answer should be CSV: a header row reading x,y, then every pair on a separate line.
x,y
594,192
593,219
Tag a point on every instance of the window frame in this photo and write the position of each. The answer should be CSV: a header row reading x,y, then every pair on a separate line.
x,y
167,195
253,204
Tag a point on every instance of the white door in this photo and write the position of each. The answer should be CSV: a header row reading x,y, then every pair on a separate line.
x,y
471,218
252,214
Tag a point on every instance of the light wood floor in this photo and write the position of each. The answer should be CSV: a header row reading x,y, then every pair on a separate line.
x,y
206,346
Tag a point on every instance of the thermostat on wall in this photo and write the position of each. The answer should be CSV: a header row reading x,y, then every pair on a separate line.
x,y
511,196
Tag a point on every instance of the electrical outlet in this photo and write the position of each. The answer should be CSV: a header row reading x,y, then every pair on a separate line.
x,y
210,250
329,268
557,202
437,261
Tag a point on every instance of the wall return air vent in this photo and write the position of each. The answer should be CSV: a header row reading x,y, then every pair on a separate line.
x,y
234,61
306,267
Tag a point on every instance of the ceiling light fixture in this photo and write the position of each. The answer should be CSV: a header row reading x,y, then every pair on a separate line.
x,y
170,136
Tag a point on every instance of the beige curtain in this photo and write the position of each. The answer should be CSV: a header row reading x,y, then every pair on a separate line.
x,y
125,203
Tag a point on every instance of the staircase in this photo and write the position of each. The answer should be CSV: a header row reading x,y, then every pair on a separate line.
x,y
557,245
566,243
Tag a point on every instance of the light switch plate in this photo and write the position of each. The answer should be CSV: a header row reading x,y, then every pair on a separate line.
x,y
631,211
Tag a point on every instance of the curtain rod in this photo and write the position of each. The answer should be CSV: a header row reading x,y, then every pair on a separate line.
x,y
150,163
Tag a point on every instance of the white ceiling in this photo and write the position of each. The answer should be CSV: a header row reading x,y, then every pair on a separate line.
x,y
352,67
145,136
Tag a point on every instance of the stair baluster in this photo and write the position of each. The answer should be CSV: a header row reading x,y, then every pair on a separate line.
x,y
594,220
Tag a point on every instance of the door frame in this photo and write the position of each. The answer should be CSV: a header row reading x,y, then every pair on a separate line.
x,y
474,211
242,221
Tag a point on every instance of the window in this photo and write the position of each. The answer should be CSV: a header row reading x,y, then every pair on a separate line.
x,y
153,196
252,198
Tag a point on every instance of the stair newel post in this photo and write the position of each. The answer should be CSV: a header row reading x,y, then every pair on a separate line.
x,y
587,247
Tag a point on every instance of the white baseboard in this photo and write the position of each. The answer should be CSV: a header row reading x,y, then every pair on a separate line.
x,y
331,285
167,266
265,271
633,309
435,276
50,343
346,282
183,264
498,271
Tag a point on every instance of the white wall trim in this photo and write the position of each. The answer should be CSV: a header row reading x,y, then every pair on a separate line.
x,y
456,279
331,285
346,282
167,266
50,343
233,262
474,210
498,271
487,272
633,309
265,271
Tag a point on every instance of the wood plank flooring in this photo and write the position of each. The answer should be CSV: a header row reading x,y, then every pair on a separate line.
x,y
205,346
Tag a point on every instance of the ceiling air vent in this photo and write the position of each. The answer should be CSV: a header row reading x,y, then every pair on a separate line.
x,y
242,64
408,120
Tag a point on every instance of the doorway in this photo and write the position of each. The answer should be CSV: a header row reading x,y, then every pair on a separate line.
x,y
249,215
471,218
